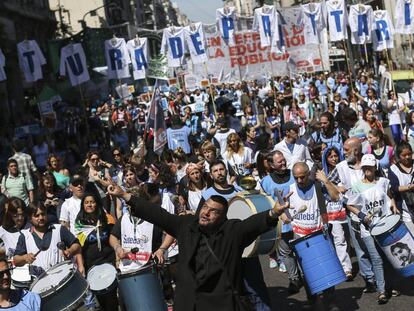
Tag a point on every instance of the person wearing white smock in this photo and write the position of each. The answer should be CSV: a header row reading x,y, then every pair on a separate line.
x,y
294,149
395,107
370,201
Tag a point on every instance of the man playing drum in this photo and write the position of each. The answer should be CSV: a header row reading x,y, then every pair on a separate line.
x,y
38,246
210,246
15,299
308,211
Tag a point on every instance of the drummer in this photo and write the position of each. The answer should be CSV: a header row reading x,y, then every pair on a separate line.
x,y
135,241
93,226
38,246
308,210
373,200
15,299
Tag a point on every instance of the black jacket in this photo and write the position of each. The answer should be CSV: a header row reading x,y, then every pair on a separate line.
x,y
227,243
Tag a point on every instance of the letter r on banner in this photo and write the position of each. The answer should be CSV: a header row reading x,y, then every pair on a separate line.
x,y
140,59
29,56
228,25
337,17
195,38
266,25
115,56
362,25
176,46
75,64
382,30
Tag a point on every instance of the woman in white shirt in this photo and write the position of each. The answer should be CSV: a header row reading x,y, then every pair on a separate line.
x,y
195,186
395,107
238,157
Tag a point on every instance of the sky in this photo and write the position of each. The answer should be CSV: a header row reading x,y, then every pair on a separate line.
x,y
200,10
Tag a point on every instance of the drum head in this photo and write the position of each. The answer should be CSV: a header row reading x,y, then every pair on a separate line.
x,y
101,277
239,209
21,274
53,278
385,224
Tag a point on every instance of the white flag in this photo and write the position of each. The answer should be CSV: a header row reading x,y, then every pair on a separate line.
x,y
384,31
313,21
361,23
138,51
404,17
194,36
173,46
2,65
337,20
226,18
31,60
266,22
73,64
117,58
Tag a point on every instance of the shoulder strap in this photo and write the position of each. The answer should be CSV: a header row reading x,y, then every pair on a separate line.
x,y
320,197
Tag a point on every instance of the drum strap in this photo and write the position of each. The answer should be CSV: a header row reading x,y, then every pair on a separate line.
x,y
320,198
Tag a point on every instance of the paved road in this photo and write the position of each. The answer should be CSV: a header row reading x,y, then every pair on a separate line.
x,y
349,295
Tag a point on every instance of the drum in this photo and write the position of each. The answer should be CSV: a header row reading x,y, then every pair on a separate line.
x,y
319,262
141,290
21,278
397,242
61,287
102,278
246,204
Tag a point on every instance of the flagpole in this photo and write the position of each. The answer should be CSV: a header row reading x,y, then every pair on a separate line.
x,y
347,64
211,92
84,109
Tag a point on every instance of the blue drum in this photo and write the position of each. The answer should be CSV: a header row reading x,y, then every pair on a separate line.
x,y
141,290
246,204
397,242
319,262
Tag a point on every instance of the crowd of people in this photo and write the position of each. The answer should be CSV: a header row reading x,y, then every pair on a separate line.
x,y
323,141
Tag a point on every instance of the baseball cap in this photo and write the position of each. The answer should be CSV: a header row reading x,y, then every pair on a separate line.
x,y
368,160
290,126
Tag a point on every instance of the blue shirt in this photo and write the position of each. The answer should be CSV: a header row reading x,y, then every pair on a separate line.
x,y
24,301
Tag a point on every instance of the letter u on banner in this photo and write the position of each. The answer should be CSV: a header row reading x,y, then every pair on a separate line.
x,y
266,25
176,46
75,64
115,56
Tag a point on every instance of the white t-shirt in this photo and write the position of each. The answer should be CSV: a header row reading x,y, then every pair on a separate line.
x,y
394,116
222,139
237,161
179,138
69,212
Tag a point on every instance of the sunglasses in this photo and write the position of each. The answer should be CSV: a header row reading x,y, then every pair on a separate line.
x,y
77,183
94,159
116,154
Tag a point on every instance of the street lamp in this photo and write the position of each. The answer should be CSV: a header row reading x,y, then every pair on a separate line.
x,y
93,13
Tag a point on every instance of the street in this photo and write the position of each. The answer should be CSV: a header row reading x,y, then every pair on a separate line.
x,y
349,295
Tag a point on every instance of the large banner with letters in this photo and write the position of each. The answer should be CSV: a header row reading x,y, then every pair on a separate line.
x,y
247,59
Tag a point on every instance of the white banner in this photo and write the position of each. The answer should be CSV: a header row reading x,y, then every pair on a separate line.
x,y
248,59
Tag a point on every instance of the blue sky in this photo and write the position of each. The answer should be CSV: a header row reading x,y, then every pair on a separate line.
x,y
200,10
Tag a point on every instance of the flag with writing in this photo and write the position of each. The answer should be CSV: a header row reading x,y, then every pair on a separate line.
x,y
157,122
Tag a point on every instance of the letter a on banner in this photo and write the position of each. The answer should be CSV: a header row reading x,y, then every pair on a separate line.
x,y
337,20
73,64
404,17
384,31
31,60
194,36
225,18
173,45
117,58
138,51
361,22
266,22
313,21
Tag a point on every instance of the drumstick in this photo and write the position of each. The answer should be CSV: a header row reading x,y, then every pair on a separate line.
x,y
43,248
61,245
